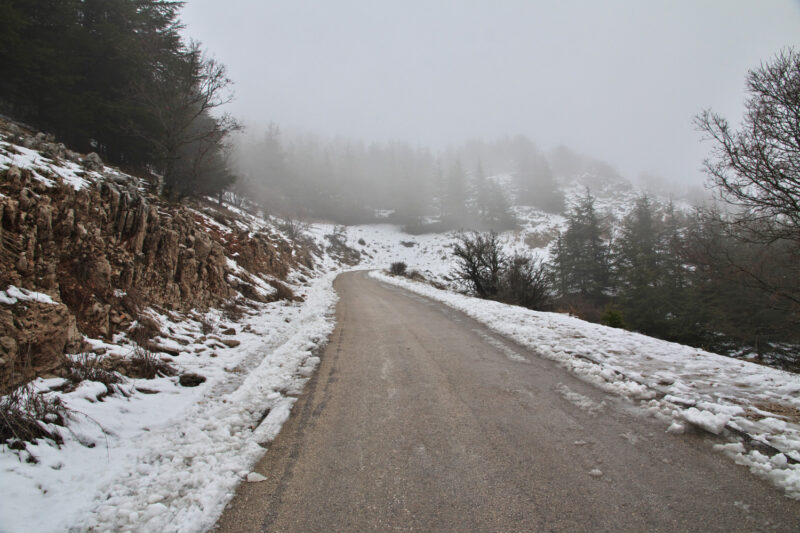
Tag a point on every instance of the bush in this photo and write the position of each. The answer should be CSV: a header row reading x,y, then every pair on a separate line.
x,y
479,260
612,317
294,228
145,364
488,273
524,281
24,414
398,269
86,367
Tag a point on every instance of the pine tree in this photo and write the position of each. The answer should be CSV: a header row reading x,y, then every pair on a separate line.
x,y
581,258
639,269
454,201
116,77
537,185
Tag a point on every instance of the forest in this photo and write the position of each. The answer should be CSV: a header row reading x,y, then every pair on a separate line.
x,y
117,78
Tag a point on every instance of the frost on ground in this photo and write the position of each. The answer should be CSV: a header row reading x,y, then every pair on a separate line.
x,y
686,384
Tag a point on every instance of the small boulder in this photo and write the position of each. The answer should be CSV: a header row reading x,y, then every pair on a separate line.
x,y
191,379
92,161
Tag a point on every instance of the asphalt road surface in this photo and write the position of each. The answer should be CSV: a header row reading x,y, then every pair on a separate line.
x,y
420,419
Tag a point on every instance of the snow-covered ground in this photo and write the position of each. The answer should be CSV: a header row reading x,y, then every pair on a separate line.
x,y
170,458
682,384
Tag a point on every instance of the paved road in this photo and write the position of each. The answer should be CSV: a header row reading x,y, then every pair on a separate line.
x,y
420,419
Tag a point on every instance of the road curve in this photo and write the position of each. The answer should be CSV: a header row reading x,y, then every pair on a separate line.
x,y
420,419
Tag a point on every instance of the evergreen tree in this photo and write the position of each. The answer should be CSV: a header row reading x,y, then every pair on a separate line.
x,y
581,258
116,77
454,200
496,213
639,270
537,185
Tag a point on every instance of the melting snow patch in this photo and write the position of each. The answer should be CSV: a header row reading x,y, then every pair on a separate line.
x,y
13,294
711,422
579,400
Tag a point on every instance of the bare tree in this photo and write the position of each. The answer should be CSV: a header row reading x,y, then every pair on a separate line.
x,y
295,228
525,281
181,97
757,168
479,262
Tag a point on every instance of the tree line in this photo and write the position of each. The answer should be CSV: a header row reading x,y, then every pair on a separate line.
x,y
724,278
353,182
116,77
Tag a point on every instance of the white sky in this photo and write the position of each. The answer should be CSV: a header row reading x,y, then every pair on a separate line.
x,y
619,80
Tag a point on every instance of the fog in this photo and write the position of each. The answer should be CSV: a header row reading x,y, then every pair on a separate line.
x,y
618,80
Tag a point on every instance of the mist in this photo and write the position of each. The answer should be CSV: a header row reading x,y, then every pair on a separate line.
x,y
619,80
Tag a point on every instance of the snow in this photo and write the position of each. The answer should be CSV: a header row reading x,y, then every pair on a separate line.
x,y
13,294
711,422
683,384
41,167
170,461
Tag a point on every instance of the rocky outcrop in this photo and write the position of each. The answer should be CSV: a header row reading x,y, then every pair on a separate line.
x,y
33,336
104,252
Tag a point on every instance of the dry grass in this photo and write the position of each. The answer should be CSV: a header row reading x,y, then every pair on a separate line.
x,y
24,414
231,310
88,367
146,328
146,365
786,411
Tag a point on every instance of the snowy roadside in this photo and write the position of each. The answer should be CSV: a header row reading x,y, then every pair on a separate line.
x,y
168,458
685,384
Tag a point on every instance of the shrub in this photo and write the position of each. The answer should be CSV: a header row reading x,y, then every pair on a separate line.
x,y
294,228
489,273
524,281
398,268
24,414
479,259
144,364
87,367
612,316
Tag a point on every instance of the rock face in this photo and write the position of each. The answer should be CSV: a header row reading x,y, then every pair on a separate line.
x,y
33,336
103,253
